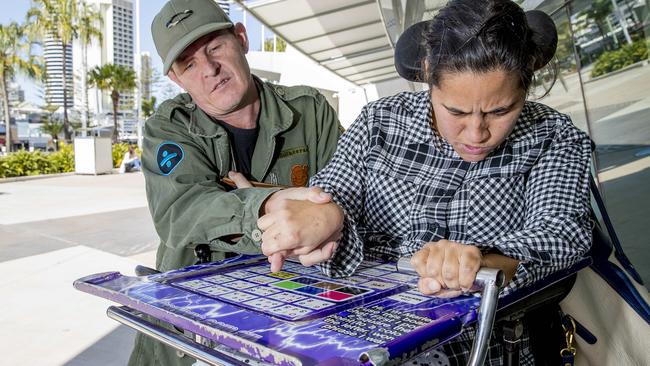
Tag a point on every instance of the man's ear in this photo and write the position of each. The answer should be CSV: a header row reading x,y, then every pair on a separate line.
x,y
172,75
242,37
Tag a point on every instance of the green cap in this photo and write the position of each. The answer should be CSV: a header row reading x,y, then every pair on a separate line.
x,y
181,22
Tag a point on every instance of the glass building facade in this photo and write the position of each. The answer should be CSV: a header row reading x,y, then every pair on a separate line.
x,y
603,84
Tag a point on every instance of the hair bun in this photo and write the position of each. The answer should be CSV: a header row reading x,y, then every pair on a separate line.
x,y
410,47
410,51
544,36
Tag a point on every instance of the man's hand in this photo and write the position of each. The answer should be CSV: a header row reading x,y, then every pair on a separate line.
x,y
280,203
320,254
295,225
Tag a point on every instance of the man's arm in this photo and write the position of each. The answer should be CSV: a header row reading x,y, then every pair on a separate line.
x,y
187,203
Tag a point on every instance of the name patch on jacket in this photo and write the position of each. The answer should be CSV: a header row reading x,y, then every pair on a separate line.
x,y
169,155
294,151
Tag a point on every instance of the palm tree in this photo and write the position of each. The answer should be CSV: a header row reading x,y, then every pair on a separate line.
x,y
148,106
51,125
15,56
116,79
88,19
58,19
598,12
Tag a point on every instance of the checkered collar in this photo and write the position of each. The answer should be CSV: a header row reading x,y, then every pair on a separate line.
x,y
423,133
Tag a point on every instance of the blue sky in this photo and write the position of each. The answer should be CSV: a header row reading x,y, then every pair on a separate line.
x,y
148,9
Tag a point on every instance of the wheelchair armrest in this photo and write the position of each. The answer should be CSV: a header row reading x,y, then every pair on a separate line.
x,y
550,290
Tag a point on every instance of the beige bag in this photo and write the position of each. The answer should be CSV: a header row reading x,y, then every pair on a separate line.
x,y
623,336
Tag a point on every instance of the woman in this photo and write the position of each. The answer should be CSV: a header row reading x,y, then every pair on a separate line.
x,y
131,161
464,175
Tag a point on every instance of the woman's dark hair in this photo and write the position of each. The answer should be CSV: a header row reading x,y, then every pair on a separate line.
x,y
480,36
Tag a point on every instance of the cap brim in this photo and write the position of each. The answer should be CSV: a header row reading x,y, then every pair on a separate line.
x,y
410,52
188,39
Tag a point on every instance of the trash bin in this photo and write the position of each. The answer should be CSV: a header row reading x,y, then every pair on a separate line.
x,y
92,155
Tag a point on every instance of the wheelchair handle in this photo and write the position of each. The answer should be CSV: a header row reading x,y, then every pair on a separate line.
x,y
489,281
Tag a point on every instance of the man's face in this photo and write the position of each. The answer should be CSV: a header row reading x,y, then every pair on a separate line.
x,y
214,71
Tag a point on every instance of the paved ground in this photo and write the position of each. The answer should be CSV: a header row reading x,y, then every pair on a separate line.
x,y
52,232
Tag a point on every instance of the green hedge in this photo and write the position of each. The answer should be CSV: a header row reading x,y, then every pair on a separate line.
x,y
616,60
23,162
35,163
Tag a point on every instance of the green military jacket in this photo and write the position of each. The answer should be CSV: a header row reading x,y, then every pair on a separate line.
x,y
298,131
185,155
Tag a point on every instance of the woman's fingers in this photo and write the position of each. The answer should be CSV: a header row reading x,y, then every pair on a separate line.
x,y
239,180
470,263
450,267
429,286
435,261
318,255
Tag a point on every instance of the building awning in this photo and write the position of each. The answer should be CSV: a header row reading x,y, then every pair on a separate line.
x,y
347,37
352,38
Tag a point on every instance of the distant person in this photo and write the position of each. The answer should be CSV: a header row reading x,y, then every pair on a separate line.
x,y
231,124
131,161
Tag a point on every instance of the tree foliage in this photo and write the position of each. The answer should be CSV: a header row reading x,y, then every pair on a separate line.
x,y
63,21
280,45
148,106
15,57
115,79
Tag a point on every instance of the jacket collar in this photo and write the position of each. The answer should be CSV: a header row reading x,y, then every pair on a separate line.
x,y
274,117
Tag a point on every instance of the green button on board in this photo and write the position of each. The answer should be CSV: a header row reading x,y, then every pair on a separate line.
x,y
289,285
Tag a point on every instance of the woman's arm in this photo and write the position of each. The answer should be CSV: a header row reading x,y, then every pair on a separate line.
x,y
557,226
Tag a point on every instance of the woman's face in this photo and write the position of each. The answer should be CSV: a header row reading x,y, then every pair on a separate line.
x,y
474,112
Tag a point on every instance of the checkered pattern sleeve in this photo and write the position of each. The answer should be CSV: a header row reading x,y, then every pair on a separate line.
x,y
557,227
344,177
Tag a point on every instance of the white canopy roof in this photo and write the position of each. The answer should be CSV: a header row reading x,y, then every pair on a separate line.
x,y
352,38
347,37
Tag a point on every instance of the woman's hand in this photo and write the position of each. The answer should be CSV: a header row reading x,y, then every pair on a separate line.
x,y
447,268
446,265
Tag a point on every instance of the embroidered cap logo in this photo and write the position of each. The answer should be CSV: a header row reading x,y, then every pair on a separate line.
x,y
179,17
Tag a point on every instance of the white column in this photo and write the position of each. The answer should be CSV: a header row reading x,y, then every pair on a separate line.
x,y
138,72
622,21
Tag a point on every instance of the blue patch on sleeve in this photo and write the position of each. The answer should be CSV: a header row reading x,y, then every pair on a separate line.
x,y
169,155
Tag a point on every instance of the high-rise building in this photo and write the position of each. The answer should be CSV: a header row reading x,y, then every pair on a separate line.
x,y
146,75
116,47
54,84
15,93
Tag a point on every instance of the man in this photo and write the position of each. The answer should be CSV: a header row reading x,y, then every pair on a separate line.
x,y
229,120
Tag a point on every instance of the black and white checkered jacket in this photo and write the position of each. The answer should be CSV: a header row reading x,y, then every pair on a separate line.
x,y
401,185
